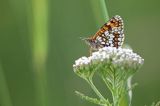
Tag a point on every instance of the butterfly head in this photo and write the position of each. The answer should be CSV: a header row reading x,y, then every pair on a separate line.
x,y
92,43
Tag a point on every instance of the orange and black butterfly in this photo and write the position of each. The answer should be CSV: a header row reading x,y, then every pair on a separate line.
x,y
109,35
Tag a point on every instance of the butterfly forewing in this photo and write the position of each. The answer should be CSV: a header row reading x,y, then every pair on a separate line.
x,y
109,35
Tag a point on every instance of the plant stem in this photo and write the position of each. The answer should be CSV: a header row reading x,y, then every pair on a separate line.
x,y
100,12
39,45
95,89
104,10
130,91
121,95
4,92
115,98
127,95
115,91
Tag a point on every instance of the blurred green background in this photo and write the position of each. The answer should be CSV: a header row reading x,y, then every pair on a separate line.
x,y
40,40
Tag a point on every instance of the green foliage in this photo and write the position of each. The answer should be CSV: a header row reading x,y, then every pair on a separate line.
x,y
156,104
93,100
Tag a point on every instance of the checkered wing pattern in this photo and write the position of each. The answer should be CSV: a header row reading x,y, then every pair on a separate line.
x,y
109,35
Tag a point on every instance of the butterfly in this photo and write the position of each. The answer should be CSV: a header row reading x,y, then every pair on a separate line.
x,y
109,35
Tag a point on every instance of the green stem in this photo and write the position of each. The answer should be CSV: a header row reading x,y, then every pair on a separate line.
x,y
115,98
4,91
121,95
127,95
95,89
104,10
130,91
100,11
107,83
39,48
114,92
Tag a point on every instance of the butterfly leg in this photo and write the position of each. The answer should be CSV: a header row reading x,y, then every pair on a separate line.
x,y
91,50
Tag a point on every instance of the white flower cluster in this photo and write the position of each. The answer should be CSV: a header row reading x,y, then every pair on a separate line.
x,y
82,61
119,57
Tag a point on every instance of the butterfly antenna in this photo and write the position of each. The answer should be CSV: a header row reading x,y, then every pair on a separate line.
x,y
82,38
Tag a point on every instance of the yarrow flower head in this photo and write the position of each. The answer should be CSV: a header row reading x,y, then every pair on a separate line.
x,y
83,67
109,56
115,66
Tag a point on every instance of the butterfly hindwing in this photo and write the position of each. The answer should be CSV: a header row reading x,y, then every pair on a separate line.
x,y
109,35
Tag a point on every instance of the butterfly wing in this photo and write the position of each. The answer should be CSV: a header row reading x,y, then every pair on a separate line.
x,y
109,35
